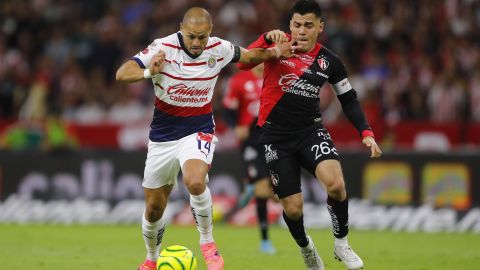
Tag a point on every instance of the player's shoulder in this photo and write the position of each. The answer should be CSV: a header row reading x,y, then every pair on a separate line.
x,y
218,43
163,43
170,41
214,39
328,53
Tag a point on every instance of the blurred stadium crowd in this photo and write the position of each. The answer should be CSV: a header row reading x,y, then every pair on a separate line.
x,y
408,60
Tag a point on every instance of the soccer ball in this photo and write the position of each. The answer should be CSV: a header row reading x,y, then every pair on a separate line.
x,y
176,258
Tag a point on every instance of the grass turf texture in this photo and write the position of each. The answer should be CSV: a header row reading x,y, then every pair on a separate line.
x,y
101,247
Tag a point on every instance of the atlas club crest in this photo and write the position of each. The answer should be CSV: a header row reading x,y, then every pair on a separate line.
x,y
323,63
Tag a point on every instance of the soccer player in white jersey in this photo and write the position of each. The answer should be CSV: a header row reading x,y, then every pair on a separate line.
x,y
184,68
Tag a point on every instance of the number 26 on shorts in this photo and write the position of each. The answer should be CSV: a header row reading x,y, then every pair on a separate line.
x,y
323,149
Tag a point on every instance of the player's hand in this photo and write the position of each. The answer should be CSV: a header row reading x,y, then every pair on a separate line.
x,y
241,132
286,49
370,142
277,36
157,63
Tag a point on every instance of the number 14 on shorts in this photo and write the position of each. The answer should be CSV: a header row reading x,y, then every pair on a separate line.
x,y
204,141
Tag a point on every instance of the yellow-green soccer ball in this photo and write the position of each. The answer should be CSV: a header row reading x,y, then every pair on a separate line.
x,y
176,258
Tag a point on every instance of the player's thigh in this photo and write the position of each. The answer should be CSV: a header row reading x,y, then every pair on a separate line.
x,y
263,188
195,154
161,165
316,148
284,170
329,173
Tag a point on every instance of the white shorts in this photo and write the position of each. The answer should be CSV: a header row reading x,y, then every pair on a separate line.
x,y
165,159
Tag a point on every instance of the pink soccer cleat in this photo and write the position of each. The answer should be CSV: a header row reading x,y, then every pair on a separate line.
x,y
213,259
148,265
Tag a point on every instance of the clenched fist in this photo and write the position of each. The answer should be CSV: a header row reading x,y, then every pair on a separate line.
x,y
157,63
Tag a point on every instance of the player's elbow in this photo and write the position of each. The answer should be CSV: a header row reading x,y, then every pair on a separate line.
x,y
125,73
120,75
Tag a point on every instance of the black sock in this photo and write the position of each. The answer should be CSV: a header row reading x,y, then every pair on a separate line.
x,y
339,213
262,216
297,230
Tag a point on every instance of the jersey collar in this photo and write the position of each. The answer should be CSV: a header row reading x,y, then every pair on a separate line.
x,y
180,39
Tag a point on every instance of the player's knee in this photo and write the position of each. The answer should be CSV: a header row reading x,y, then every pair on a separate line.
x,y
195,186
336,187
153,212
293,211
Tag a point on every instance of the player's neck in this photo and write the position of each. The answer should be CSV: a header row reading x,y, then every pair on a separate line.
x,y
182,44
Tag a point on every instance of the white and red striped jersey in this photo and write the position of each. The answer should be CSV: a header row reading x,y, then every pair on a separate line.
x,y
184,88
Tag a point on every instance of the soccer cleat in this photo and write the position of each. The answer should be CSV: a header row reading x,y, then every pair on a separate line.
x,y
351,260
148,265
267,247
310,256
246,196
212,257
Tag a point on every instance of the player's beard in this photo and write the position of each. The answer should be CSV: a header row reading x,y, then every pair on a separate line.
x,y
196,50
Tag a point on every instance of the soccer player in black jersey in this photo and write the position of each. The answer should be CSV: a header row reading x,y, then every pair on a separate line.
x,y
292,132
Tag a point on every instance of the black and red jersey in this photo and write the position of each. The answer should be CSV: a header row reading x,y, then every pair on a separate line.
x,y
290,97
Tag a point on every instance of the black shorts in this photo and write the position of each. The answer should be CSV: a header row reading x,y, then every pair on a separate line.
x,y
252,154
285,158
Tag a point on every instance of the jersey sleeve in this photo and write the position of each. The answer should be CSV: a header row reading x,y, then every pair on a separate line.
x,y
143,57
339,78
229,51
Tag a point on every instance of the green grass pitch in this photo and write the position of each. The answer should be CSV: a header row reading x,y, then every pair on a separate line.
x,y
104,247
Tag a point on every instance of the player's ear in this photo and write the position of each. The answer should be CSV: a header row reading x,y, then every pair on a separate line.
x,y
181,27
291,25
320,26
210,29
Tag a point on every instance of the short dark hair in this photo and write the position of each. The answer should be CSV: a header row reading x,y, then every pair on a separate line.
x,y
307,6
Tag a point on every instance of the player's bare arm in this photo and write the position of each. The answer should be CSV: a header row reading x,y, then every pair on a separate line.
x,y
259,55
130,71
241,132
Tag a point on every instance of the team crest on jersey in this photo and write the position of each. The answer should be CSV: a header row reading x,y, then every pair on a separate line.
x,y
211,62
323,63
145,51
